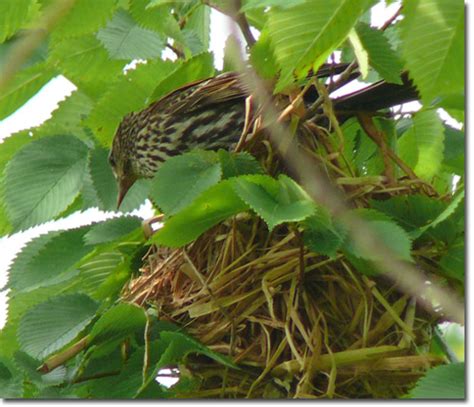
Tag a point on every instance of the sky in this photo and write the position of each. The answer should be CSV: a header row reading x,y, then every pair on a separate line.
x,y
39,108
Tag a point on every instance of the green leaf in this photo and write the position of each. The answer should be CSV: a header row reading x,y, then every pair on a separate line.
x,y
67,118
422,145
43,178
433,46
275,201
454,150
117,323
180,345
416,213
85,16
284,4
360,53
100,186
113,106
112,229
159,19
13,15
393,236
199,25
304,36
444,382
102,274
453,262
211,207
10,385
50,325
262,56
177,346
381,55
23,87
124,39
445,214
182,179
321,235
86,63
235,164
47,259
194,69
129,382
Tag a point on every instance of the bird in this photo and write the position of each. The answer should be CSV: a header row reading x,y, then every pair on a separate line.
x,y
210,114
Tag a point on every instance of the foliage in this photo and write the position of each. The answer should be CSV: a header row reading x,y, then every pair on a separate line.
x,y
65,287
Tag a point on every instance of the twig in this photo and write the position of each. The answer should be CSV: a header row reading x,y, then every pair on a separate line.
x,y
178,52
60,358
389,22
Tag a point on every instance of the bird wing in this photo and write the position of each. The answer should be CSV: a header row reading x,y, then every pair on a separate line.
x,y
201,94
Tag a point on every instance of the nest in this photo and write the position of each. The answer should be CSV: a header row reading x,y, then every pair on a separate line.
x,y
297,323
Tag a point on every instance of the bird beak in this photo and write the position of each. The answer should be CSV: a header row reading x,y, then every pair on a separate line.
x,y
125,183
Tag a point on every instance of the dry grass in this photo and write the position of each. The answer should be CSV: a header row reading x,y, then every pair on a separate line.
x,y
298,323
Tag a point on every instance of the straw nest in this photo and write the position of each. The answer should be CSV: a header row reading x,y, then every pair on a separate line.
x,y
298,324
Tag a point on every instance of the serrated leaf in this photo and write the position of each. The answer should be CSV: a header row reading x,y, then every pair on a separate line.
x,y
393,237
444,382
182,179
13,14
360,53
85,16
275,201
180,345
381,55
173,347
235,164
50,325
321,235
124,39
67,118
194,69
137,85
103,187
262,56
159,19
24,86
100,186
453,262
284,4
43,178
433,47
118,323
199,23
86,62
127,383
111,229
211,207
454,150
445,214
102,274
422,145
304,36
47,259
10,385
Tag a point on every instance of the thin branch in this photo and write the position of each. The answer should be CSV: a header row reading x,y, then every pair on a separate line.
x,y
178,52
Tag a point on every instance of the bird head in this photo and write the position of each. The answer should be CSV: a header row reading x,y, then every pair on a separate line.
x,y
120,158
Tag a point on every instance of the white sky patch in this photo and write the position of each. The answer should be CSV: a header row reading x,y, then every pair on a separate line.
x,y
38,108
